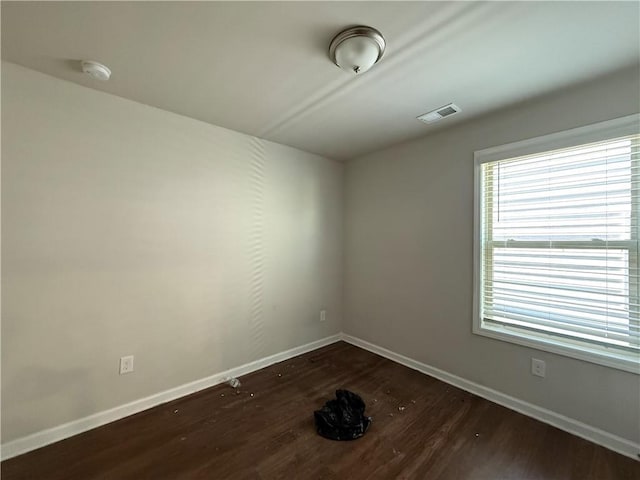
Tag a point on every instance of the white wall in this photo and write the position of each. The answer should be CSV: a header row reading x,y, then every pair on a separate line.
x,y
131,230
409,241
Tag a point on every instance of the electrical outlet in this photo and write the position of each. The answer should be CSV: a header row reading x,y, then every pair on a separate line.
x,y
538,367
323,315
126,364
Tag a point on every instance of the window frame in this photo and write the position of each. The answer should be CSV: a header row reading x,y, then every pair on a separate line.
x,y
597,132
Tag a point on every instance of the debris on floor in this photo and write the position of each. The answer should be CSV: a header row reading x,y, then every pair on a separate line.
x,y
401,408
175,411
477,434
342,418
234,382
252,394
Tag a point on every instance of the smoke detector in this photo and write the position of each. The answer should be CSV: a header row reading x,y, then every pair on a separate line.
x,y
439,113
96,70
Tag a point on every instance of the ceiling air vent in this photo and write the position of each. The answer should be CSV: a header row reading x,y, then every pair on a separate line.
x,y
439,113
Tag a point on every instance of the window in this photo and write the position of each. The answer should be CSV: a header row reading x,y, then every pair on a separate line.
x,y
556,250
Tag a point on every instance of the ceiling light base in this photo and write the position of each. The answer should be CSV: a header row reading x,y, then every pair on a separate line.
x,y
357,49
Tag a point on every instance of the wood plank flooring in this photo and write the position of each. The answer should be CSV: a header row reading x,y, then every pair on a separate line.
x,y
266,431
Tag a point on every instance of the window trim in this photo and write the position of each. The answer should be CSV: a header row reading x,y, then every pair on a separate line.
x,y
601,131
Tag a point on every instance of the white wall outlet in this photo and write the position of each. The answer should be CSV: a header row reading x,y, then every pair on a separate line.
x,y
126,364
323,315
538,367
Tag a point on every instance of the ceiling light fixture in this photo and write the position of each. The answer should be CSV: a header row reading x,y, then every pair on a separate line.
x,y
96,70
357,49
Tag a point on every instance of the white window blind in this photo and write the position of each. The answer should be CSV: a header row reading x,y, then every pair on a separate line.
x,y
559,255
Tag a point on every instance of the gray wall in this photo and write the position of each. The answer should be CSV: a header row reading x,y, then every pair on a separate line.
x,y
409,241
131,230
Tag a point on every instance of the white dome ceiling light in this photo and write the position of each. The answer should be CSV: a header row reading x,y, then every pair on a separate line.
x,y
96,70
357,49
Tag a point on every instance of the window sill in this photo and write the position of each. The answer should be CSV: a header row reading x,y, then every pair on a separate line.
x,y
628,363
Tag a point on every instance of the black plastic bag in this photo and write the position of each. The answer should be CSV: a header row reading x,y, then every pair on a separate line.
x,y
342,418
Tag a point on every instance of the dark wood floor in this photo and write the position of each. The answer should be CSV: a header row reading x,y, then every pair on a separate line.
x,y
422,429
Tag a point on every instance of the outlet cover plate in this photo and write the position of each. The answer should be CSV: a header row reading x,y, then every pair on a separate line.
x,y
538,367
126,364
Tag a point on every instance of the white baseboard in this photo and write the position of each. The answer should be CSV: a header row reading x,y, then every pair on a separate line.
x,y
592,434
55,434
46,437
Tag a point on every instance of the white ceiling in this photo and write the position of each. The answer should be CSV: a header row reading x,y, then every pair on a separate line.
x,y
262,67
